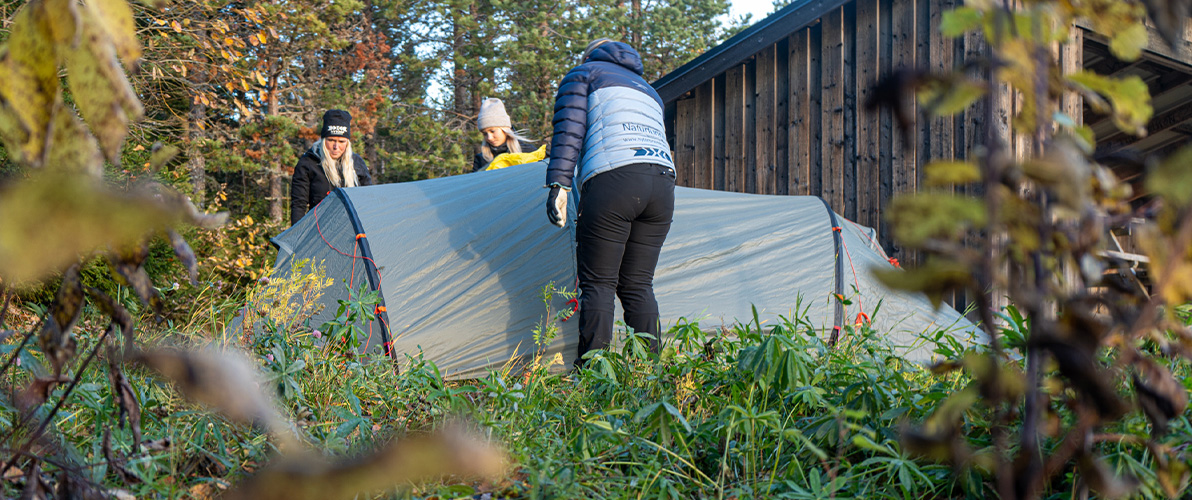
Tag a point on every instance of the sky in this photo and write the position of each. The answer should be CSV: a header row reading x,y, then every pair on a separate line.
x,y
759,8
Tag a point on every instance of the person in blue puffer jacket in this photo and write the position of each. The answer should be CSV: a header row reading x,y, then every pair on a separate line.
x,y
609,136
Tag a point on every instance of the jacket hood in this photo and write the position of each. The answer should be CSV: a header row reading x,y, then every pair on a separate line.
x,y
316,150
619,53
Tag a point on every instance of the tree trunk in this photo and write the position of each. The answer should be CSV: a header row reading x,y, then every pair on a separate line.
x,y
196,164
466,46
473,76
276,197
272,109
370,156
459,79
636,34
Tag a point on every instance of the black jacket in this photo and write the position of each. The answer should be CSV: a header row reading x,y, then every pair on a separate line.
x,y
479,163
310,185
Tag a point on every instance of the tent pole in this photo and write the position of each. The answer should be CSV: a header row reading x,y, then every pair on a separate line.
x,y
837,237
370,270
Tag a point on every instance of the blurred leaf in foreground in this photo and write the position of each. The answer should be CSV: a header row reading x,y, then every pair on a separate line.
x,y
128,265
84,216
404,461
55,338
125,396
224,380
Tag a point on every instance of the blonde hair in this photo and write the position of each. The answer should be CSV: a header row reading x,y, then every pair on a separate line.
x,y
341,172
513,140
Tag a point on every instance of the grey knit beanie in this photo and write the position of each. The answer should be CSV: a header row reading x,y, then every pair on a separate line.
x,y
492,114
592,46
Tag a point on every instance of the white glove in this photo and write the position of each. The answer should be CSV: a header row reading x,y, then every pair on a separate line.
x,y
556,206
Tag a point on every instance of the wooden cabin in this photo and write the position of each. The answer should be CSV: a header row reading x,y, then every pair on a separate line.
x,y
779,108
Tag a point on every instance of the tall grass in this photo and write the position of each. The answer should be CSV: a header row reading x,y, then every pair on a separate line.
x,y
759,410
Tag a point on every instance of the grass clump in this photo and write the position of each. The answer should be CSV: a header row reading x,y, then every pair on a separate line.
x,y
755,410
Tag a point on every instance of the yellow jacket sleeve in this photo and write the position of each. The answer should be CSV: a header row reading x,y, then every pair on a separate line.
x,y
510,159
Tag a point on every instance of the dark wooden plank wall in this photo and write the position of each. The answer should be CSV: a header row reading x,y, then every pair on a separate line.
x,y
792,119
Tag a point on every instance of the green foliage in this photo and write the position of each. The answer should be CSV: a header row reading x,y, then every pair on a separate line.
x,y
548,328
239,87
949,173
757,410
1076,357
946,98
934,216
956,22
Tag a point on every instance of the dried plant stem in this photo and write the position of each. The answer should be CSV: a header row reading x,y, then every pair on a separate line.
x,y
1075,439
991,169
1039,311
54,411
4,307
17,352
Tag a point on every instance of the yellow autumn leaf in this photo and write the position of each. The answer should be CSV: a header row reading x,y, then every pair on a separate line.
x,y
115,17
260,78
177,27
1129,97
1127,44
29,88
85,216
73,149
243,110
947,99
100,89
1170,180
13,131
62,17
948,173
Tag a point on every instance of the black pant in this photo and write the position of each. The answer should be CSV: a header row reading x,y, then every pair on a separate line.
x,y
624,215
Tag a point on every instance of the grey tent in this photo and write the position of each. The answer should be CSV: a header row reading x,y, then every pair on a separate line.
x,y
461,264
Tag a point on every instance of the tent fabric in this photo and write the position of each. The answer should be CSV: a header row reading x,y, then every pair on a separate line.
x,y
462,263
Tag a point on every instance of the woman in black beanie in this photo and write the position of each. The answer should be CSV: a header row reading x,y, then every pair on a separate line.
x,y
328,164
